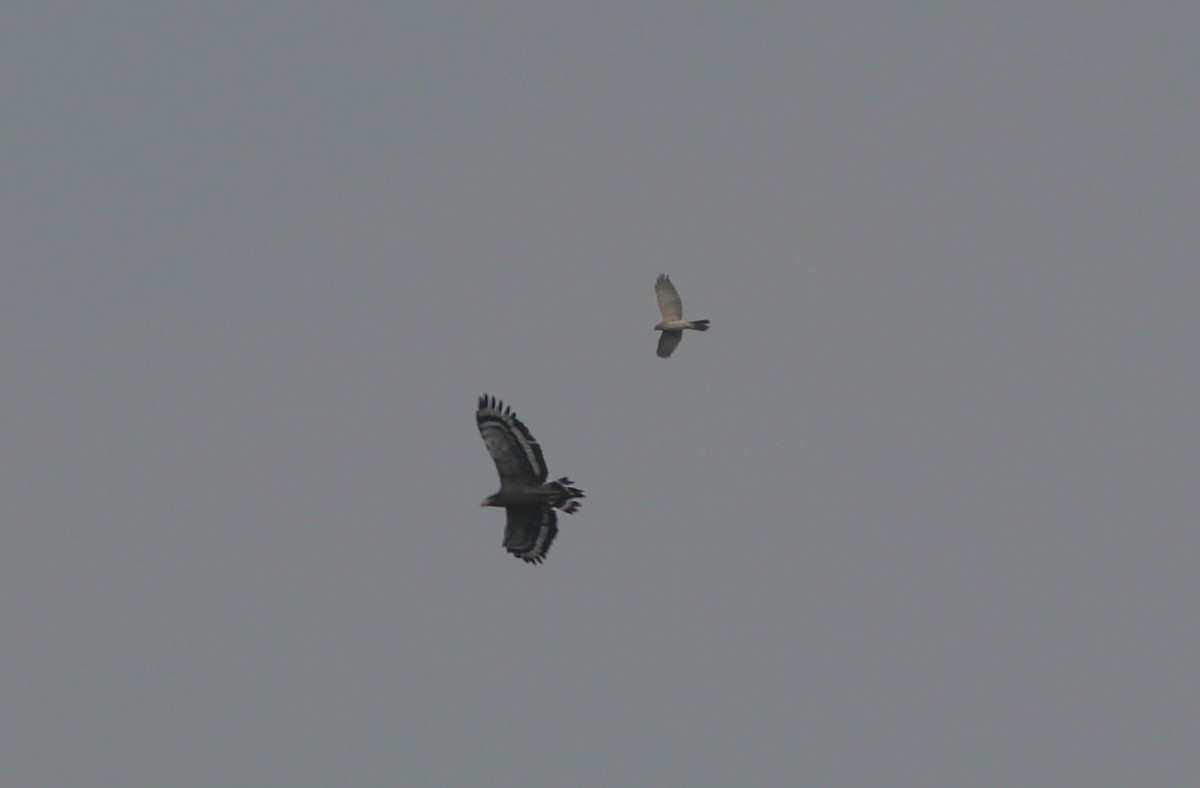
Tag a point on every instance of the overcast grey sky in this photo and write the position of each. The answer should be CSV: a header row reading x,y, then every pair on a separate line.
x,y
921,509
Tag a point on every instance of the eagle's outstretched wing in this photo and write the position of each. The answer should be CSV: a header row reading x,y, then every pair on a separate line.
x,y
529,532
517,455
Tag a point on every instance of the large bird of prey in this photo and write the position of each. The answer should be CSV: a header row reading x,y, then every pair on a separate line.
x,y
672,324
528,499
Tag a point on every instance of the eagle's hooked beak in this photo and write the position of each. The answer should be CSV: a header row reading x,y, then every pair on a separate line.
x,y
486,501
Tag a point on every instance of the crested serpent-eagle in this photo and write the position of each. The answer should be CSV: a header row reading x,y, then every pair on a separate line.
x,y
528,499
673,324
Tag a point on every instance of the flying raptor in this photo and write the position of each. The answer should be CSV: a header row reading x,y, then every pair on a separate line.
x,y
673,324
528,499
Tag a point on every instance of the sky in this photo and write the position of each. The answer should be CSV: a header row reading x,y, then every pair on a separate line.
x,y
921,509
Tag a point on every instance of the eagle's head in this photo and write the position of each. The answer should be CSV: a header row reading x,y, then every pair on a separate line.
x,y
489,501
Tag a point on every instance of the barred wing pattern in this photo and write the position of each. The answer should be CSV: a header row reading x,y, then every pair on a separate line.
x,y
517,455
529,532
528,499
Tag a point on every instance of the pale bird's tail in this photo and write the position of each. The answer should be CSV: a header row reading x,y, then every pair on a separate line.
x,y
697,325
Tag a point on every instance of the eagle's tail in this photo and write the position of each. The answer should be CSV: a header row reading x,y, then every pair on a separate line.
x,y
566,501
698,325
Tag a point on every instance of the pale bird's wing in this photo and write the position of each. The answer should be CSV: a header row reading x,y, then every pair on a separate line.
x,y
667,342
668,298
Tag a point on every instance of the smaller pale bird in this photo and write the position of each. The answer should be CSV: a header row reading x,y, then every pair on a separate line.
x,y
672,324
